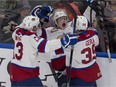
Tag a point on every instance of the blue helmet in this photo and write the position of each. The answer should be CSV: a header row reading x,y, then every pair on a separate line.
x,y
42,12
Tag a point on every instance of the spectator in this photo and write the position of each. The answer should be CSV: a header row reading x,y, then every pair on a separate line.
x,y
110,13
23,9
6,14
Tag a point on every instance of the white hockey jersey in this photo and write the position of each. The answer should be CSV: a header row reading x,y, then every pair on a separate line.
x,y
57,59
84,64
84,54
26,48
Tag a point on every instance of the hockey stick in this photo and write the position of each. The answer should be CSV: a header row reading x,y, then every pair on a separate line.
x,y
101,18
66,4
45,79
53,71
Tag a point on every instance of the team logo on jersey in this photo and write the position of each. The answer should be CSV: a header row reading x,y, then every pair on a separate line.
x,y
54,30
59,37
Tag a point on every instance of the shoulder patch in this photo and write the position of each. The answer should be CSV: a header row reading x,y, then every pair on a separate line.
x,y
54,30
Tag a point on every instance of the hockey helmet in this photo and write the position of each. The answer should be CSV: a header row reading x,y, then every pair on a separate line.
x,y
59,13
81,23
29,22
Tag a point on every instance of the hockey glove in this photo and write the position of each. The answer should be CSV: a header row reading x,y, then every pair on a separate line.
x,y
69,39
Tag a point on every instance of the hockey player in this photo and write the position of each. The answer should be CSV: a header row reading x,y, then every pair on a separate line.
x,y
84,70
60,20
44,12
24,69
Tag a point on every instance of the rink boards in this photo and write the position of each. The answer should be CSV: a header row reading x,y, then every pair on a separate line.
x,y
108,69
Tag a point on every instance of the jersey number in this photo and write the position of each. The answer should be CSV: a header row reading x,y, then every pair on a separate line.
x,y
88,51
19,55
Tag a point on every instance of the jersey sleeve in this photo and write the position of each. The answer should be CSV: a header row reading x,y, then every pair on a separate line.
x,y
43,45
92,32
52,45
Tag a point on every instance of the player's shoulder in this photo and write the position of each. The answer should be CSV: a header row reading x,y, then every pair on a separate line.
x,y
51,29
22,31
16,31
91,29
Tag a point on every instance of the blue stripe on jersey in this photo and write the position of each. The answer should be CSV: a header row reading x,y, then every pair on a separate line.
x,y
41,46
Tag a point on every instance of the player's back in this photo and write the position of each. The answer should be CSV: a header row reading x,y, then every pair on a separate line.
x,y
24,53
84,51
84,57
24,62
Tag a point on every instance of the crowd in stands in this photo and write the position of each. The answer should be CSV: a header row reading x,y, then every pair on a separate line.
x,y
16,10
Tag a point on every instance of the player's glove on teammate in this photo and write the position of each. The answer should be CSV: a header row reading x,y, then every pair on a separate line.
x,y
69,39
